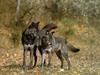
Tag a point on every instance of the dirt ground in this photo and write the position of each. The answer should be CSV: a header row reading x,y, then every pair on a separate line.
x,y
83,63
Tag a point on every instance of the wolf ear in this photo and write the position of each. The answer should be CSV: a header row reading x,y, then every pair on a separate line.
x,y
38,23
32,23
52,32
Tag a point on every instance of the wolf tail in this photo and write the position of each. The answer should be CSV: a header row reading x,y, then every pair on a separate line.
x,y
72,48
75,50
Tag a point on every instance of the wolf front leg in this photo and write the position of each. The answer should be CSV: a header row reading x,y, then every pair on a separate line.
x,y
49,59
24,58
35,56
31,59
49,56
43,59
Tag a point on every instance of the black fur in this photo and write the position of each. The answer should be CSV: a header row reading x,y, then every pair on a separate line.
x,y
28,39
58,45
31,40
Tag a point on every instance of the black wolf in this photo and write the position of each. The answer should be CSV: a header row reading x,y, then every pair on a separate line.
x,y
41,34
29,43
58,45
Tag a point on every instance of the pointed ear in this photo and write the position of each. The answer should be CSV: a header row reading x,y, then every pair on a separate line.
x,y
52,32
38,23
32,23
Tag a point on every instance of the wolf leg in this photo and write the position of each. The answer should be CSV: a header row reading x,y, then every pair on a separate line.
x,y
31,59
67,59
43,59
58,53
49,59
24,58
41,52
35,57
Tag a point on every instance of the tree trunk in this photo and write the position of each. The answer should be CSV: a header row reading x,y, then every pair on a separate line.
x,y
17,10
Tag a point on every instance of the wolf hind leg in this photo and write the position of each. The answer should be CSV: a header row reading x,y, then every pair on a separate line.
x,y
65,54
59,55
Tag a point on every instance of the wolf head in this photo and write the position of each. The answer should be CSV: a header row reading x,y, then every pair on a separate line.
x,y
45,35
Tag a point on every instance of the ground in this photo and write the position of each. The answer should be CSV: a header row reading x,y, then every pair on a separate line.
x,y
85,62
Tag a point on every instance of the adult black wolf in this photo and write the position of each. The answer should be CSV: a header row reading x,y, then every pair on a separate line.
x,y
58,45
29,42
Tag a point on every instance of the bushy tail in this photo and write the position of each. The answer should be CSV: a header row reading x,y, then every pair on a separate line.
x,y
75,50
72,48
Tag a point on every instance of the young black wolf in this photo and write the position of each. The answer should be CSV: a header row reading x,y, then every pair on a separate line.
x,y
58,45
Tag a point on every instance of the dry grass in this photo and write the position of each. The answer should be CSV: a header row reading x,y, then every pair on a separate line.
x,y
83,63
86,62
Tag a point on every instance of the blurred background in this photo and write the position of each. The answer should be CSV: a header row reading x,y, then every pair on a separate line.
x,y
78,21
